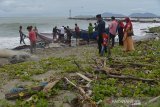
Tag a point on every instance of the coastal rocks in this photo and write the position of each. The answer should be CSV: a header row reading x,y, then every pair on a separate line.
x,y
19,58
12,57
157,38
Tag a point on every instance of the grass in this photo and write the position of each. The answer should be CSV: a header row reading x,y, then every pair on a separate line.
x,y
155,29
27,69
147,53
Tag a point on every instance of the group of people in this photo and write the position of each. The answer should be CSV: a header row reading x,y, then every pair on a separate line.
x,y
125,33
32,35
60,33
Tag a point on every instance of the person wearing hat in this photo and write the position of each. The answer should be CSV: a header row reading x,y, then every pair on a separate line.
x,y
113,29
101,30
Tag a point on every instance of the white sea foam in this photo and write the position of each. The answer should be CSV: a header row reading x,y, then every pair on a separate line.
x,y
10,42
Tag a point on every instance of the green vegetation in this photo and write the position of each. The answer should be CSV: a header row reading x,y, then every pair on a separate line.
x,y
142,63
27,69
155,29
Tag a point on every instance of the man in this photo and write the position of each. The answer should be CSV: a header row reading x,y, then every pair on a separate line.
x,y
22,35
101,30
113,30
95,27
69,34
62,34
32,38
77,31
54,32
90,31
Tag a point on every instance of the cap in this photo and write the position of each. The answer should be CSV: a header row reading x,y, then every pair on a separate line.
x,y
98,16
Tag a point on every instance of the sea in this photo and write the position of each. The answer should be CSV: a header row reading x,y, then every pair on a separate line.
x,y
9,27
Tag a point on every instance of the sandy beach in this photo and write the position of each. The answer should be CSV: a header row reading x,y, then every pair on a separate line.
x,y
83,53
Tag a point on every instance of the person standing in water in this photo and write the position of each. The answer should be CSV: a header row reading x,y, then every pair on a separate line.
x,y
32,38
22,35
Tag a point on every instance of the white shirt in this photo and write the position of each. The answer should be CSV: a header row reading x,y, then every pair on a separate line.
x,y
62,30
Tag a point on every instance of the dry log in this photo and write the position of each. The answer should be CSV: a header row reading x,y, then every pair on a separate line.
x,y
79,88
79,67
125,76
26,93
49,86
84,77
132,64
152,100
82,92
140,65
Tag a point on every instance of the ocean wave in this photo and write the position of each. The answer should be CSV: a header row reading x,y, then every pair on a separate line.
x,y
10,42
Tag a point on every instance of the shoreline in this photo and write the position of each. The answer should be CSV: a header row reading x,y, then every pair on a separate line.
x,y
83,53
133,19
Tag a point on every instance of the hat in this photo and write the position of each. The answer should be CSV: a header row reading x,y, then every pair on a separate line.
x,y
113,18
98,16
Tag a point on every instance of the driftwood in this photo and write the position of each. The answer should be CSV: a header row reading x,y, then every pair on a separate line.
x,y
152,100
84,77
49,86
132,64
26,93
140,65
79,66
124,76
120,76
82,92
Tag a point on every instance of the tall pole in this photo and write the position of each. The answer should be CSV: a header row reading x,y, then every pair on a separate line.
x,y
70,13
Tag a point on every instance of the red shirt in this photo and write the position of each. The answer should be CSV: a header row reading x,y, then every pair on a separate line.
x,y
105,39
32,36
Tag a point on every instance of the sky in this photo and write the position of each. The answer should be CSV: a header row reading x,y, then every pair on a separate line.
x,y
60,8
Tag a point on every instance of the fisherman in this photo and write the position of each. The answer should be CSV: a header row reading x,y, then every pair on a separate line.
x,y
69,34
36,31
62,34
32,38
22,35
77,31
95,27
120,32
55,31
90,32
113,30
101,30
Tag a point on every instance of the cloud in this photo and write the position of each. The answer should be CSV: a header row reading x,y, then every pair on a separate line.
x,y
78,7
